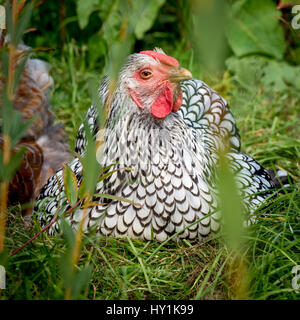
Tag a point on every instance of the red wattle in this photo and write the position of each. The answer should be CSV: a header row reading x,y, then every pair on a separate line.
x,y
162,106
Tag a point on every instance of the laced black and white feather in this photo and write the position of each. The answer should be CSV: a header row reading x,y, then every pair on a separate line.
x,y
173,160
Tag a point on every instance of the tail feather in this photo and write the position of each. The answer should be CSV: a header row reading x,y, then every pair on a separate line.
x,y
280,178
38,70
44,140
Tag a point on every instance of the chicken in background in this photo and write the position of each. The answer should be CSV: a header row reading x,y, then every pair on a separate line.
x,y
45,141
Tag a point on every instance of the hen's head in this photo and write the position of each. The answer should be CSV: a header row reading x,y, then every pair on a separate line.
x,y
152,79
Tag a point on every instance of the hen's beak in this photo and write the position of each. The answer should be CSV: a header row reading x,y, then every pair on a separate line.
x,y
180,74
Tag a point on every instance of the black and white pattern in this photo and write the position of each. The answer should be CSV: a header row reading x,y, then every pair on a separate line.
x,y
202,107
172,184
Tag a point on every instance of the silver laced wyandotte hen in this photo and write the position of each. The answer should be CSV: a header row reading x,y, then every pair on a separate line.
x,y
168,128
45,142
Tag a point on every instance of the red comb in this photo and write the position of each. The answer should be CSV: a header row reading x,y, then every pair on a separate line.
x,y
163,58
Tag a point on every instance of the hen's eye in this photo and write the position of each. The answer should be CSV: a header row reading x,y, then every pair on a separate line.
x,y
146,74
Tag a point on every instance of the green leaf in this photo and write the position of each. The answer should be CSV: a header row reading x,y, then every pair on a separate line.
x,y
22,23
281,75
254,71
65,262
230,204
84,9
81,191
148,10
89,161
19,70
73,281
111,27
10,25
253,27
80,281
68,234
71,185
97,102
117,55
5,63
97,48
205,24
66,269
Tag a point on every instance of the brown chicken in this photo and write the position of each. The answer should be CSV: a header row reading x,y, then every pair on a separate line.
x,y
44,141
23,186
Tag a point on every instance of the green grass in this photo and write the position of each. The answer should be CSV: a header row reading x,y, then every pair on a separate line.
x,y
133,269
